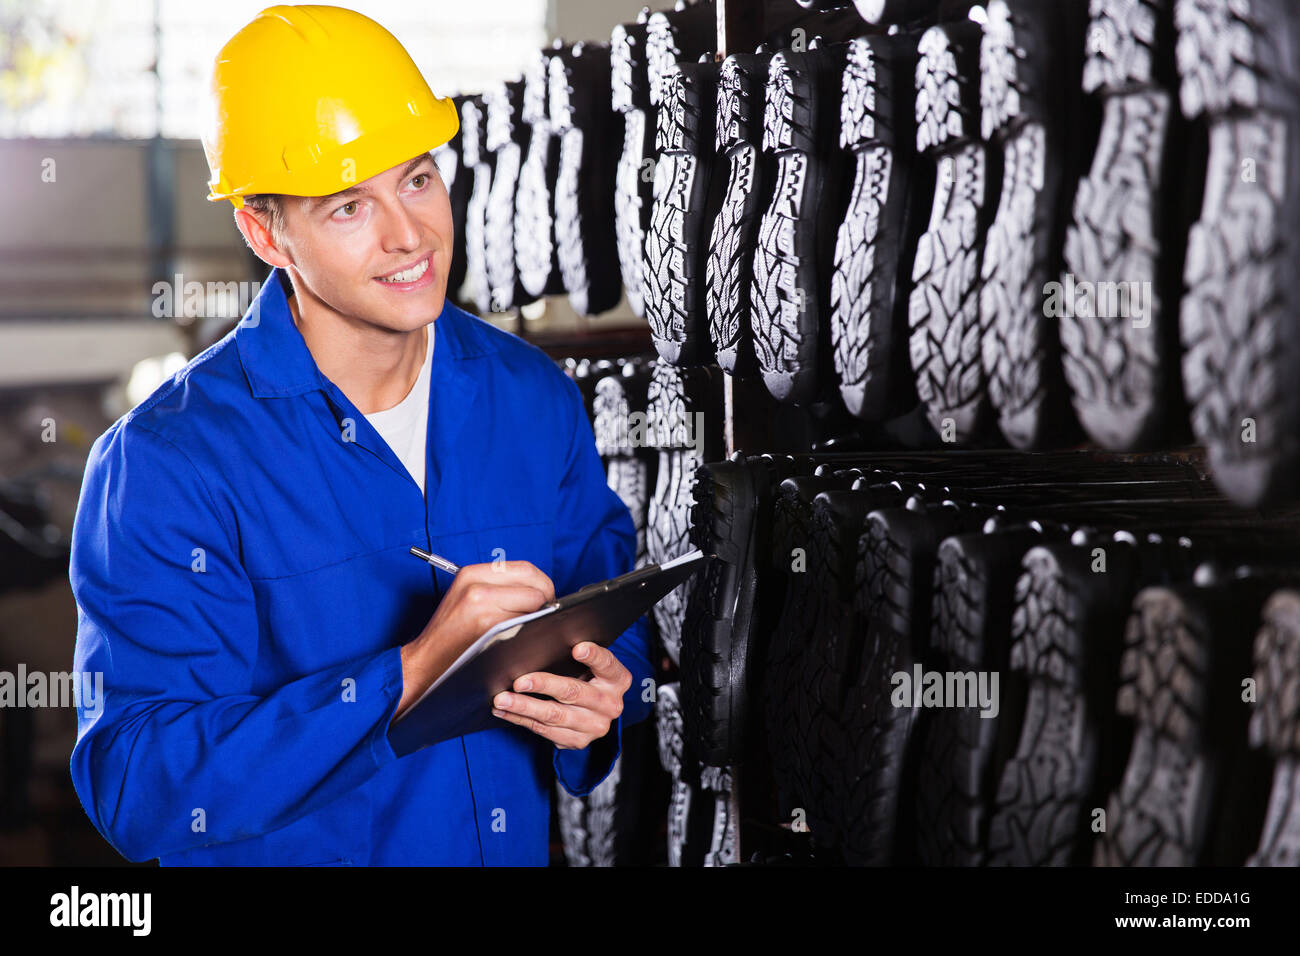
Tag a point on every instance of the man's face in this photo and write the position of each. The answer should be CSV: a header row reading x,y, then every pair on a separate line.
x,y
341,245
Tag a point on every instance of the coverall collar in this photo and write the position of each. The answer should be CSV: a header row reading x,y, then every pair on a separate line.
x,y
279,364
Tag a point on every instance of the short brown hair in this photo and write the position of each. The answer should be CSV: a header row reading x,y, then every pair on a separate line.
x,y
270,205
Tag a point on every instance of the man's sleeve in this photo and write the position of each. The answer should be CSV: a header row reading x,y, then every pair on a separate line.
x,y
179,753
595,539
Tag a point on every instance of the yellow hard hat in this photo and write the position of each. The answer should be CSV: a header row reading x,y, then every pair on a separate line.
x,y
309,100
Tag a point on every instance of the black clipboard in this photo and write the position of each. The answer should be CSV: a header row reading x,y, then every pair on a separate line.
x,y
460,700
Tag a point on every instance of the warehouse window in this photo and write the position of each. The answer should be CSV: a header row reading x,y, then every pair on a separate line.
x,y
76,68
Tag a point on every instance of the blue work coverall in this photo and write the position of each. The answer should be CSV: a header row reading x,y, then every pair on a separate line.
x,y
243,582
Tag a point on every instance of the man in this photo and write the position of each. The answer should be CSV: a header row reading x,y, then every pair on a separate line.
x,y
240,552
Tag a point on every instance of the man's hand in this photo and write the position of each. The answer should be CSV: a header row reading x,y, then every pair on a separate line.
x,y
480,597
580,711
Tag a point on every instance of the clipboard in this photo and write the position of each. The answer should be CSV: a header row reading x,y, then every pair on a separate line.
x,y
460,701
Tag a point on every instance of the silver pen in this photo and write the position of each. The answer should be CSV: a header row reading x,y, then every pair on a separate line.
x,y
436,560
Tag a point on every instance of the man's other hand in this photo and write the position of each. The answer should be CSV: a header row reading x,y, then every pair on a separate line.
x,y
579,711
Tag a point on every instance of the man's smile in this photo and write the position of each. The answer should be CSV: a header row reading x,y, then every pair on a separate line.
x,y
415,276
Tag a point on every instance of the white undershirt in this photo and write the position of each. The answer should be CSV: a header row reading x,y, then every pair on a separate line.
x,y
405,425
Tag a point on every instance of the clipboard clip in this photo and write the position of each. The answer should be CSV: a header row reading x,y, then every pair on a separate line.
x,y
632,577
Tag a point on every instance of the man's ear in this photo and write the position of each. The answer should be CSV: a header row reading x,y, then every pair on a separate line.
x,y
258,236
